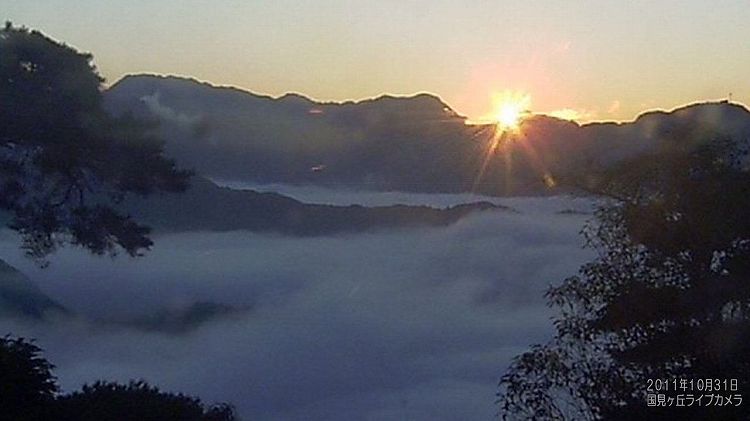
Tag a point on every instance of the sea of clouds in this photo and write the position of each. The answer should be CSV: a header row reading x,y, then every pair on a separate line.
x,y
412,324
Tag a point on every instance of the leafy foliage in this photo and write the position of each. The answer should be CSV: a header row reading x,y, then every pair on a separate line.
x,y
65,162
27,386
28,391
668,296
137,401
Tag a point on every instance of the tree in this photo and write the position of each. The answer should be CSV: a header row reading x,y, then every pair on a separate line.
x,y
65,162
667,298
136,401
27,386
29,391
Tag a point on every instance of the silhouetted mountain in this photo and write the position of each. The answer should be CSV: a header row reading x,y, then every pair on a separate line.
x,y
21,298
411,144
232,134
206,206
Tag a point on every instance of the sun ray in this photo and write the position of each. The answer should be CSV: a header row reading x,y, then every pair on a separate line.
x,y
494,141
510,108
505,137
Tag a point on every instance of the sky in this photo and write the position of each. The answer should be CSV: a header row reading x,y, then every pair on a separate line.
x,y
592,60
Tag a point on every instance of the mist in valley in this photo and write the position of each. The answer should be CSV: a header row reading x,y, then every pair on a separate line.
x,y
401,324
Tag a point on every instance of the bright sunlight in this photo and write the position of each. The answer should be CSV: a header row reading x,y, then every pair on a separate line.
x,y
510,108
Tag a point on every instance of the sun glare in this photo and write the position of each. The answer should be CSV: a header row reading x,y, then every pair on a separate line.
x,y
510,109
509,115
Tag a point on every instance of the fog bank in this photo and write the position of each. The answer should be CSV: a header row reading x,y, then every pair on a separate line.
x,y
413,324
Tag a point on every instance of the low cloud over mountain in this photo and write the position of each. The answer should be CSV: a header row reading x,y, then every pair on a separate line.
x,y
20,298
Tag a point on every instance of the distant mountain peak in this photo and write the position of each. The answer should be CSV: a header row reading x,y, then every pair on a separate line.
x,y
148,83
390,142
710,109
424,101
297,98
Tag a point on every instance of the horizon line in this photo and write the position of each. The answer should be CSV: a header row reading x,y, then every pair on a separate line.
x,y
467,120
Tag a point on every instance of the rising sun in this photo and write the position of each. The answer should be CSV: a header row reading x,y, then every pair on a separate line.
x,y
509,115
510,109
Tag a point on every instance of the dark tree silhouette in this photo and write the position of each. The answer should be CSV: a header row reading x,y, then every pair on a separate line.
x,y
27,386
667,298
64,162
136,401
29,392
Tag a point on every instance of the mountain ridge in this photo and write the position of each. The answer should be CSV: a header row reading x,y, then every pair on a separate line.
x,y
206,206
188,80
21,298
413,144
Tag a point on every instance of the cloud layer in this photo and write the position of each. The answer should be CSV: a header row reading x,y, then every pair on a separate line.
x,y
414,324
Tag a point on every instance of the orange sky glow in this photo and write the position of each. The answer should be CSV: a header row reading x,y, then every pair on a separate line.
x,y
582,60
